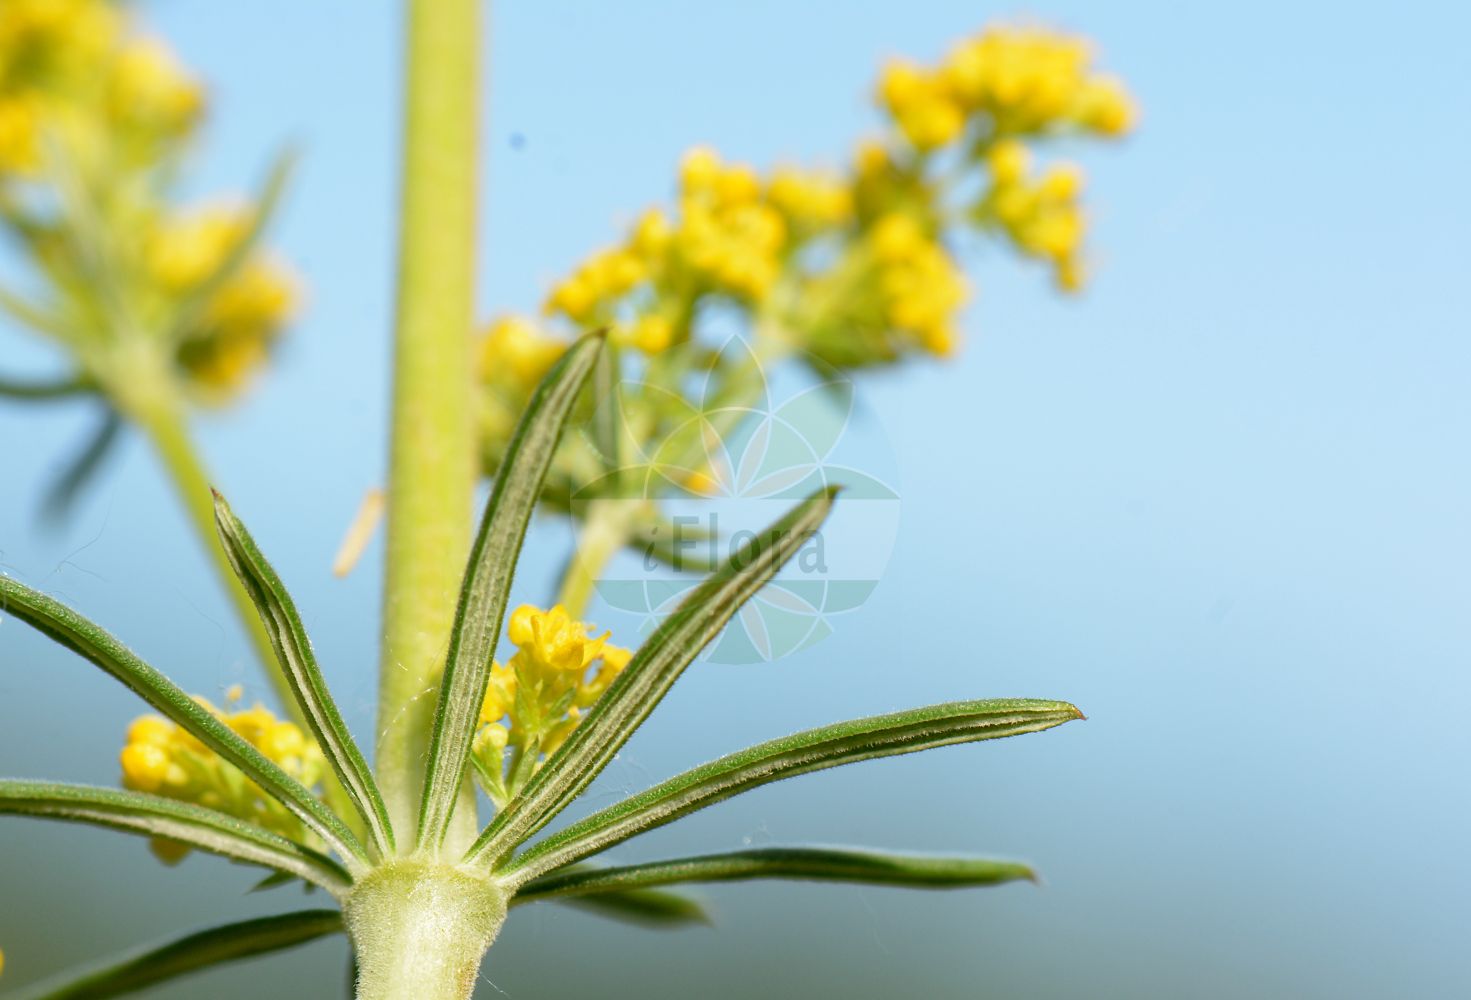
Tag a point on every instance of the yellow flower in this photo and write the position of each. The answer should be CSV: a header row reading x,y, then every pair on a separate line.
x,y
145,766
597,283
239,324
20,129
50,43
500,694
150,90
897,237
1011,80
808,198
652,233
698,170
260,297
651,334
550,641
922,104
921,286
557,671
513,349
184,251
1106,107
162,759
1008,160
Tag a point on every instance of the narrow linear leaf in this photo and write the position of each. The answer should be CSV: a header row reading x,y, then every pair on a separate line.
x,y
95,644
644,907
820,864
272,881
82,469
607,420
299,665
181,956
492,564
649,676
51,389
800,753
156,816
678,547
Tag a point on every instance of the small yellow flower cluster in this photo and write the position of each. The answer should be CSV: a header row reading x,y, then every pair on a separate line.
x,y
534,702
184,251
1009,81
728,237
512,355
855,268
71,66
994,90
242,317
810,200
163,759
514,349
603,277
922,286
150,93
1043,216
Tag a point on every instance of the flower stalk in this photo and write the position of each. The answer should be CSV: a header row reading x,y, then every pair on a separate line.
x,y
431,477
150,395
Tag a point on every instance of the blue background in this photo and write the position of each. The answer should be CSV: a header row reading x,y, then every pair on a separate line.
x,y
1219,502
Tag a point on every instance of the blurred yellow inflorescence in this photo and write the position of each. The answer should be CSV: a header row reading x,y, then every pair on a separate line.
x,y
1014,81
535,701
853,268
72,73
859,267
162,759
93,120
242,316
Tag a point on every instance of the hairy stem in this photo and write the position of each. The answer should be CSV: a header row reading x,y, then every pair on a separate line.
x,y
431,476
419,930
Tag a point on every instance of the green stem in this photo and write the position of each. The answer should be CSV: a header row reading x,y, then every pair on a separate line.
x,y
419,930
162,420
160,413
607,527
431,476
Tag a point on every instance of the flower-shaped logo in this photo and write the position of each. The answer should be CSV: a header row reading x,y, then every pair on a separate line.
x,y
722,469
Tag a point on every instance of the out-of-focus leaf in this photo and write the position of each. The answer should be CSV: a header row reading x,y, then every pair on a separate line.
x,y
82,469
191,953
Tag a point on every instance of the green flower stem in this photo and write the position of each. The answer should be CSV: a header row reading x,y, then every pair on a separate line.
x,y
431,476
162,419
159,411
608,527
